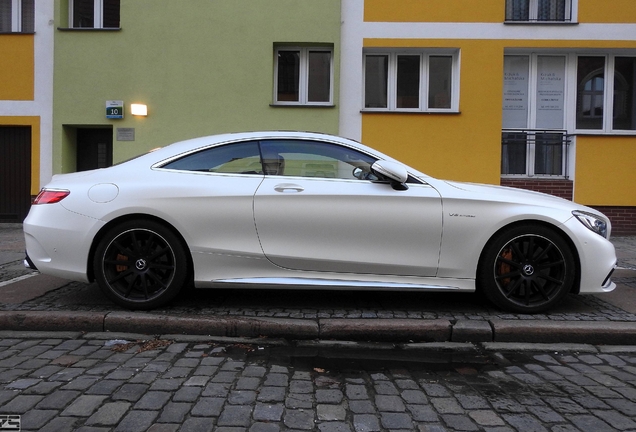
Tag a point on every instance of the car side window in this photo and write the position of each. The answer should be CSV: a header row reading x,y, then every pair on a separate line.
x,y
236,158
316,159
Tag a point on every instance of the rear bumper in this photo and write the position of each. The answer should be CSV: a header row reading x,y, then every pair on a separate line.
x,y
28,263
58,241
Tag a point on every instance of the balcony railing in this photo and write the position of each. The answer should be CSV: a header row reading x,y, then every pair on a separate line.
x,y
535,153
539,10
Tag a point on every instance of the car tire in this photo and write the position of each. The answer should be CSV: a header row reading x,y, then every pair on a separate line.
x,y
526,269
141,265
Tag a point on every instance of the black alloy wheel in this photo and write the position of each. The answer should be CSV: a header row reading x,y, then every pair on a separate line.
x,y
527,269
140,265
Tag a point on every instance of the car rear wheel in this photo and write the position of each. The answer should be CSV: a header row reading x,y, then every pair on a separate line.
x,y
527,269
140,265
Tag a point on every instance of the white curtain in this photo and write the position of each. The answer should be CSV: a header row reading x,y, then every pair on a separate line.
x,y
5,16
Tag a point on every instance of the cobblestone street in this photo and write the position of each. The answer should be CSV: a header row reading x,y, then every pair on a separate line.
x,y
92,384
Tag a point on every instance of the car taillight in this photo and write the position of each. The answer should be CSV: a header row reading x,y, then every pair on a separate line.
x,y
50,196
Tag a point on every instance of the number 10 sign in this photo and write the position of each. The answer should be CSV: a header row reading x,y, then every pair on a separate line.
x,y
115,109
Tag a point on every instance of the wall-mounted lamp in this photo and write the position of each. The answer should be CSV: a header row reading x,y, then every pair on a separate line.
x,y
139,109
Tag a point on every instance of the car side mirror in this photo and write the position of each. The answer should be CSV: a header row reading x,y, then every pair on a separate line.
x,y
394,172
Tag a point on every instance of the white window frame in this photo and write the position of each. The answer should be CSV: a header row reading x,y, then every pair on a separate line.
x,y
16,16
608,93
424,80
98,14
531,128
303,76
571,87
570,105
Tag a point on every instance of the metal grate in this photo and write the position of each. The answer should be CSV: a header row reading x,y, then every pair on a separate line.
x,y
541,153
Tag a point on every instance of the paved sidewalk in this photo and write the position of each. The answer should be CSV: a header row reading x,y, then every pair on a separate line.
x,y
30,301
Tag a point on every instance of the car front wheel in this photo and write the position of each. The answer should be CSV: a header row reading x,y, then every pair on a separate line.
x,y
140,265
527,269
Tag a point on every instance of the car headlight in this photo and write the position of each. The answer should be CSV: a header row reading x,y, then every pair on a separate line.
x,y
592,222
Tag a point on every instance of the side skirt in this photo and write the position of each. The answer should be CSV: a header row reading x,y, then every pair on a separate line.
x,y
464,285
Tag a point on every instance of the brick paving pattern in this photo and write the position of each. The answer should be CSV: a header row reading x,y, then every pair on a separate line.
x,y
87,385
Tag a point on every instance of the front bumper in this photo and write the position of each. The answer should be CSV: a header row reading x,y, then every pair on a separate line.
x,y
597,257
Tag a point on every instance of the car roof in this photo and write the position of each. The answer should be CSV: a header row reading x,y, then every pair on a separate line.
x,y
189,145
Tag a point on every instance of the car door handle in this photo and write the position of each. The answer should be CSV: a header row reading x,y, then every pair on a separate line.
x,y
288,188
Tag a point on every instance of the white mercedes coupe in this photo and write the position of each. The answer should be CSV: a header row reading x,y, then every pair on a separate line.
x,y
300,210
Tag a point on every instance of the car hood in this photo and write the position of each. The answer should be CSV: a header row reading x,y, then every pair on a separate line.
x,y
513,195
501,191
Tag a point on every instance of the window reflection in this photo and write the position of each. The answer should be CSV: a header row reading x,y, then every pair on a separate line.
x,y
591,92
624,92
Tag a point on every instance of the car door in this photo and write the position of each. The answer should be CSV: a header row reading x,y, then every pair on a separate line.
x,y
210,198
319,208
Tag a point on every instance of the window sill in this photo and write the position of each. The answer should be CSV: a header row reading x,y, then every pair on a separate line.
x,y
526,178
386,111
17,33
605,134
89,29
549,23
275,105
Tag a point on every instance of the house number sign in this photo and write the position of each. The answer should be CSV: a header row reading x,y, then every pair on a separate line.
x,y
114,109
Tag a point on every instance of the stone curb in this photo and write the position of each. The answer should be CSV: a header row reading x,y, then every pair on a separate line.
x,y
214,326
543,347
369,330
386,330
52,321
584,332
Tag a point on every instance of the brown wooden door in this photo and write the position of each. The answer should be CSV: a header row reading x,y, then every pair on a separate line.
x,y
15,173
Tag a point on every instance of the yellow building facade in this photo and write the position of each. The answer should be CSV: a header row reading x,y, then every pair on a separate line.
x,y
26,76
538,94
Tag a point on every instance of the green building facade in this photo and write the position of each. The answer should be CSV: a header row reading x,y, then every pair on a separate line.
x,y
200,67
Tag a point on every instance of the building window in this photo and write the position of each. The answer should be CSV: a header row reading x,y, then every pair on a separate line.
x,y
17,16
605,93
303,76
94,13
539,10
411,81
547,98
534,142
